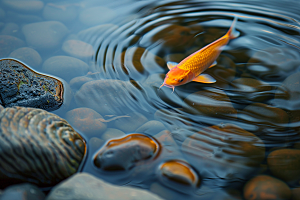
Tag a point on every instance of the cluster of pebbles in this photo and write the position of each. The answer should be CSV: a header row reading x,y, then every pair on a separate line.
x,y
248,141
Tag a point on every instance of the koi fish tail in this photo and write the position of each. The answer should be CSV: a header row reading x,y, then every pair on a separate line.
x,y
232,32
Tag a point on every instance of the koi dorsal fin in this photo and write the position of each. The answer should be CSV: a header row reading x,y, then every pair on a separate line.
x,y
172,65
204,78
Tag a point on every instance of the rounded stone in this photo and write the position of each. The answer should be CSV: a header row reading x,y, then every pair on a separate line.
x,y
65,67
296,194
178,175
125,153
130,123
77,82
251,90
24,6
11,29
112,133
213,102
23,191
78,49
173,37
96,15
9,44
266,187
285,164
226,151
151,127
27,55
287,97
268,122
60,11
273,64
136,60
45,35
38,147
87,121
109,97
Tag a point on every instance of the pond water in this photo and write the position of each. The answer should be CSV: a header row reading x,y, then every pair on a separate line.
x,y
208,140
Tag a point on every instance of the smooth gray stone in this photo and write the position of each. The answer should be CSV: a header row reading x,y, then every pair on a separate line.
x,y
11,29
85,186
96,15
27,55
45,35
2,13
151,127
24,191
60,11
24,6
65,67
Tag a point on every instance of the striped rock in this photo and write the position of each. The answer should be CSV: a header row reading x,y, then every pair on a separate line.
x,y
37,147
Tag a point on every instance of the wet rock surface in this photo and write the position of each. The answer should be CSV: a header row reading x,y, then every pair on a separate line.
x,y
179,175
226,151
21,86
37,147
126,152
266,187
60,11
88,187
285,164
90,16
23,191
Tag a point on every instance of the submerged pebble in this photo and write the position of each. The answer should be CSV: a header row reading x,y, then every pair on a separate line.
x,y
25,191
123,154
45,35
37,147
213,102
250,90
60,11
109,97
151,127
285,164
78,49
96,15
27,55
112,133
273,64
65,67
87,121
9,44
226,151
131,122
266,187
24,6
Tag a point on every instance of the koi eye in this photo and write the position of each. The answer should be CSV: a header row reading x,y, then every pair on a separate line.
x,y
180,80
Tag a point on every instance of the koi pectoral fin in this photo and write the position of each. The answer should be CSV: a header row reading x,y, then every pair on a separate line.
x,y
214,64
204,78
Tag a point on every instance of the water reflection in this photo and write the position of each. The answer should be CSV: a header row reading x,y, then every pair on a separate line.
x,y
113,54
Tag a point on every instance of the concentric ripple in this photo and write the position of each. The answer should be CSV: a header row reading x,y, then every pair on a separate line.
x,y
256,88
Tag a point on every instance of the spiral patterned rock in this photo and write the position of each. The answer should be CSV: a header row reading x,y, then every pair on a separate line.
x,y
37,147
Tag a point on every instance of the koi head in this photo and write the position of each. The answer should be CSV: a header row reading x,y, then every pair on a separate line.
x,y
176,77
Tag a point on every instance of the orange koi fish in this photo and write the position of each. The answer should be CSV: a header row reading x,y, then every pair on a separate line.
x,y
191,67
